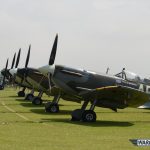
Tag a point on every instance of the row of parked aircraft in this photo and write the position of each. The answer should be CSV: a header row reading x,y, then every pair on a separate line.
x,y
119,91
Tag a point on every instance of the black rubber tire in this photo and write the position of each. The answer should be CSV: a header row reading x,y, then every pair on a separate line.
x,y
76,115
47,105
1,87
89,116
52,107
37,101
21,94
29,97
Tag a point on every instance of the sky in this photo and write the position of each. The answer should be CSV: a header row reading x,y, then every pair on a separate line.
x,y
93,34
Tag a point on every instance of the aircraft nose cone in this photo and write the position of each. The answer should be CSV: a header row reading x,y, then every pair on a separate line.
x,y
13,71
47,69
145,106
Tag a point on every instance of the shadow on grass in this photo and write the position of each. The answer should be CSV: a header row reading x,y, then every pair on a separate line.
x,y
143,121
29,104
7,98
14,96
104,112
146,112
21,99
98,123
42,112
9,112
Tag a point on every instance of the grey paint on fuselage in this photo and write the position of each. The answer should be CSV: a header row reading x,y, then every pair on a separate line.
x,y
75,81
35,78
88,80
23,84
40,83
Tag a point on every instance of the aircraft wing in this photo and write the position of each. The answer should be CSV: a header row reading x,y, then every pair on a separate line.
x,y
121,95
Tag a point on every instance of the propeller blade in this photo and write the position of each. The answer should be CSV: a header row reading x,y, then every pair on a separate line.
x,y
18,58
28,56
6,64
13,62
25,74
53,52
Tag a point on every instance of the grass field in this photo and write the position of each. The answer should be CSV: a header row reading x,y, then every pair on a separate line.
x,y
27,127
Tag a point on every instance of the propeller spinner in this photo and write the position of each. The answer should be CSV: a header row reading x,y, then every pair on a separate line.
x,y
13,62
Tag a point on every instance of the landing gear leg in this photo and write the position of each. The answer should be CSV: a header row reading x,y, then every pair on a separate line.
x,y
77,114
30,96
37,100
22,93
53,107
90,115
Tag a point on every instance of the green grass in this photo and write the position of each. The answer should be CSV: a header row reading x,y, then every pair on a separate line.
x,y
30,128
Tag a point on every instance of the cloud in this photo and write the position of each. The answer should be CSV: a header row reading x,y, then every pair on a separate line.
x,y
92,34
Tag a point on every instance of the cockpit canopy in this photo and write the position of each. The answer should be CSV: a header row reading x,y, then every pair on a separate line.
x,y
130,76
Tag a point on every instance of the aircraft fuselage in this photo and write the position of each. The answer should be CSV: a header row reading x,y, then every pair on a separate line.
x,y
76,81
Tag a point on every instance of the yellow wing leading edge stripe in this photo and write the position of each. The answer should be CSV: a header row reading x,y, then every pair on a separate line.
x,y
106,87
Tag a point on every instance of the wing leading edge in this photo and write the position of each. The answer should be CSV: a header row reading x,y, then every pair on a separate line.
x,y
117,96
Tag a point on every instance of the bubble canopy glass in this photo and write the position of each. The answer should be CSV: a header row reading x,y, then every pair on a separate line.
x,y
130,76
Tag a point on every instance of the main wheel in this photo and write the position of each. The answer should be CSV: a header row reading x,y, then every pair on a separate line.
x,y
52,107
21,94
89,116
29,97
1,87
47,105
37,101
76,115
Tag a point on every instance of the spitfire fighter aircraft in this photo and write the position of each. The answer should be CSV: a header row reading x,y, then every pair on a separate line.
x,y
18,76
32,79
7,74
115,92
38,82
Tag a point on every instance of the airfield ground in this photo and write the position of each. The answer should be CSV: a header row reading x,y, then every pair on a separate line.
x,y
27,127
